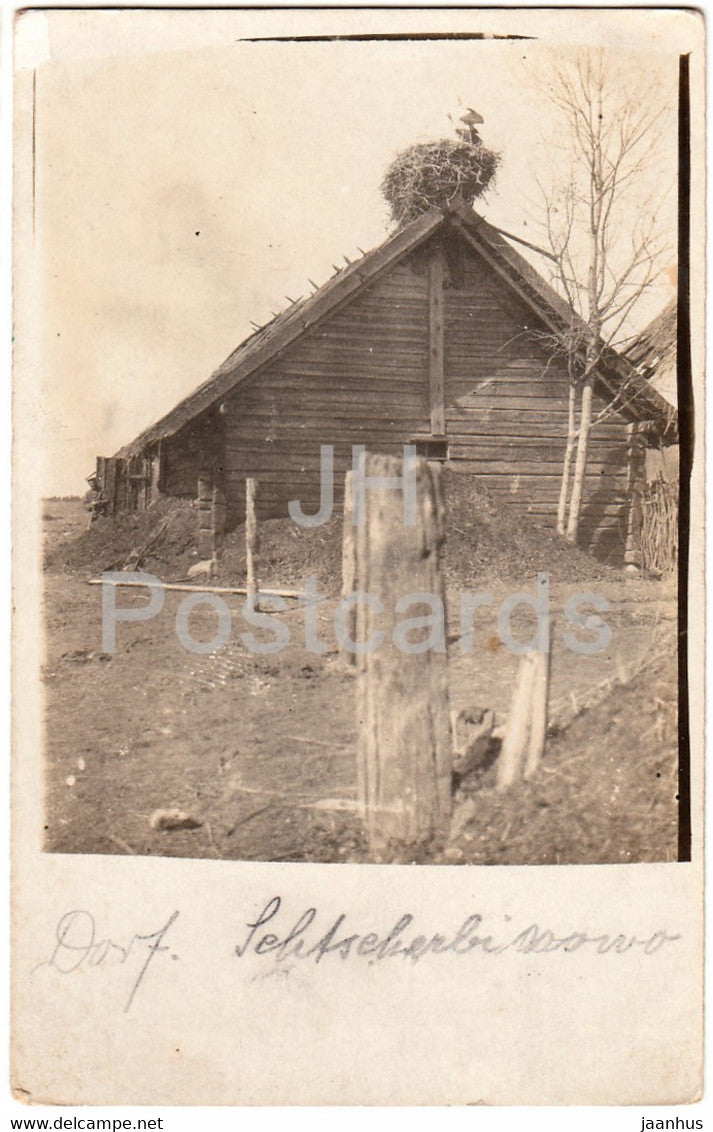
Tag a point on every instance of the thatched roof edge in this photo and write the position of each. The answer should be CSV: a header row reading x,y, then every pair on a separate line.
x,y
261,347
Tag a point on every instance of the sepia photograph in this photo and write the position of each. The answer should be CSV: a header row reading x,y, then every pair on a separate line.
x,y
282,308
358,556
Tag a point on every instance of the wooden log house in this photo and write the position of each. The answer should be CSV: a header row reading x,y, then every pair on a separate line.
x,y
438,338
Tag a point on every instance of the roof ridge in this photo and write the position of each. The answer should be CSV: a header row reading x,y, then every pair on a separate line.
x,y
285,326
263,344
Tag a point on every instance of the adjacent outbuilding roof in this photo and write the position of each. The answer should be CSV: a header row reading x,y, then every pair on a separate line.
x,y
654,352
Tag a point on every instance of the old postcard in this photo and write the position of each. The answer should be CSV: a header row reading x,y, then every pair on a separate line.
x,y
358,713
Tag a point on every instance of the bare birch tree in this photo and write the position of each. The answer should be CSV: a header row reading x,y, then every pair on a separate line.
x,y
601,219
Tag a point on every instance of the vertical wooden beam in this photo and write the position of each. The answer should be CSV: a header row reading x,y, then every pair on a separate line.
x,y
635,480
155,487
404,744
218,514
205,530
110,484
123,487
538,722
251,540
100,478
436,343
518,726
349,555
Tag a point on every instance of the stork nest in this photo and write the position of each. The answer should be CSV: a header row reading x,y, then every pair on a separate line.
x,y
431,174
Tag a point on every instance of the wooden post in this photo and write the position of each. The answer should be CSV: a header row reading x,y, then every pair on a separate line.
x,y
518,726
217,515
155,486
349,557
205,533
538,722
435,343
251,540
121,485
110,484
404,744
635,480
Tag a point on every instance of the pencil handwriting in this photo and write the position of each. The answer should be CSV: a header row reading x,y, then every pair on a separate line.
x,y
79,947
303,938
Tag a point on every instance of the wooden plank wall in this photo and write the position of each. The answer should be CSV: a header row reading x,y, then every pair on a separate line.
x,y
506,415
368,375
195,450
361,378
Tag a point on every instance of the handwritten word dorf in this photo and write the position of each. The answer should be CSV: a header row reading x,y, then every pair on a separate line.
x,y
78,947
304,940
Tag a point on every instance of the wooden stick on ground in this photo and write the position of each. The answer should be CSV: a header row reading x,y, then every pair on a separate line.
x,y
179,586
134,560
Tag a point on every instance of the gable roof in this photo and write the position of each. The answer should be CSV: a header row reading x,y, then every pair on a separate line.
x,y
615,372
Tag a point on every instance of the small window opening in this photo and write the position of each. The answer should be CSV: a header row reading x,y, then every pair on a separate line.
x,y
432,449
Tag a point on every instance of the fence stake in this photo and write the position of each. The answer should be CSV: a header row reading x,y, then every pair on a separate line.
x,y
251,540
518,725
538,722
205,525
349,557
404,745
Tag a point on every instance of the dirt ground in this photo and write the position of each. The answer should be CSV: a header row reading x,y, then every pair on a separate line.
x,y
260,750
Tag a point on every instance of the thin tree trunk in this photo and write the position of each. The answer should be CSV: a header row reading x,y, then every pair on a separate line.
x,y
591,359
612,145
567,462
580,466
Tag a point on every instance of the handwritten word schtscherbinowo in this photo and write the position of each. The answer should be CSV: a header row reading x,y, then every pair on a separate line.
x,y
305,940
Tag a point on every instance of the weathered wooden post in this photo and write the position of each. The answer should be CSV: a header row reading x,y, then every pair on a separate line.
x,y
349,557
155,486
404,745
538,720
251,540
635,480
205,499
110,484
526,730
218,514
518,726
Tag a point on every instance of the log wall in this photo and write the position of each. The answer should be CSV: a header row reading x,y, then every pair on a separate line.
x,y
360,378
440,325
506,414
197,450
366,376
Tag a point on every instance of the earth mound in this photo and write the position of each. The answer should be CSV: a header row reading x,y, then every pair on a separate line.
x,y
165,532
488,540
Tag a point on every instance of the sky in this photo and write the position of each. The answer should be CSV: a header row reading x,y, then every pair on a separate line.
x,y
187,182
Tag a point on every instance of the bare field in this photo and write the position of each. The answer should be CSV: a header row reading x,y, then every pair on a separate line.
x,y
260,750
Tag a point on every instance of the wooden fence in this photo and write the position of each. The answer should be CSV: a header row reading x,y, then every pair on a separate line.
x,y
659,527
